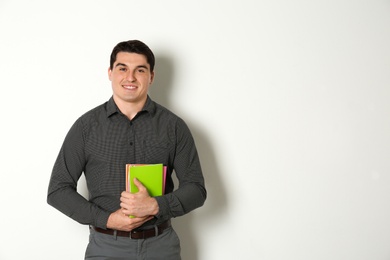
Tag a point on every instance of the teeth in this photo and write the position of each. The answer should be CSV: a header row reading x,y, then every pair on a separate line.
x,y
129,87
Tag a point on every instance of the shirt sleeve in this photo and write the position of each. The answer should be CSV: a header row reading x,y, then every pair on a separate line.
x,y
191,192
62,191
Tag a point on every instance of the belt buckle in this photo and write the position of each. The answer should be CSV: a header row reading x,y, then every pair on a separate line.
x,y
139,233
131,233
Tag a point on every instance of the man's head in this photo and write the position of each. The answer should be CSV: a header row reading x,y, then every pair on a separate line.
x,y
133,46
131,73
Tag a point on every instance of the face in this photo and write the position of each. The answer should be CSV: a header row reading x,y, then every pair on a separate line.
x,y
130,78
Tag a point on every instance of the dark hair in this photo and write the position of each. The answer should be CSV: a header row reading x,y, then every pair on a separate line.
x,y
133,46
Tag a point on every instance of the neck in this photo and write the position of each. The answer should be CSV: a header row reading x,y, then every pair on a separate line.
x,y
129,109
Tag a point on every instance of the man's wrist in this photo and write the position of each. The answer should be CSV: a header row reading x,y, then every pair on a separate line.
x,y
155,207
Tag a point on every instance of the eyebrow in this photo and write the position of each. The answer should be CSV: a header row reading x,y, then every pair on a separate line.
x,y
120,64
124,65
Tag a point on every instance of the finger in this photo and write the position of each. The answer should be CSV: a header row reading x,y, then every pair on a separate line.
x,y
124,206
128,212
125,194
141,219
139,185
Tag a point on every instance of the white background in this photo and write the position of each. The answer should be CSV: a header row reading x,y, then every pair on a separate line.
x,y
288,102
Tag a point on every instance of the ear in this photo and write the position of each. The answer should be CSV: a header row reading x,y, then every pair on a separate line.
x,y
151,78
109,73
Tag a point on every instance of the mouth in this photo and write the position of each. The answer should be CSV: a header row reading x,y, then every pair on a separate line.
x,y
129,87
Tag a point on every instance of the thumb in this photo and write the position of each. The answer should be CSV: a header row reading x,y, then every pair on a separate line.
x,y
139,184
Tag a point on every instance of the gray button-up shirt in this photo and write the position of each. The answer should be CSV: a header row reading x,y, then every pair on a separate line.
x,y
100,144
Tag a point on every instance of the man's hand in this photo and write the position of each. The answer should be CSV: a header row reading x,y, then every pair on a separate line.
x,y
138,204
119,221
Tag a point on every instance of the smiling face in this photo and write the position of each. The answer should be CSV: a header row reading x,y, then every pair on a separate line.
x,y
130,78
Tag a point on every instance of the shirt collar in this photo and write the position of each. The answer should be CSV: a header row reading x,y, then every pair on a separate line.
x,y
150,107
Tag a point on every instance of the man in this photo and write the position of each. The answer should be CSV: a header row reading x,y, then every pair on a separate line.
x,y
129,128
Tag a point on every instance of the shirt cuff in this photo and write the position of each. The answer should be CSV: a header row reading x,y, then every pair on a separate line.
x,y
163,207
102,218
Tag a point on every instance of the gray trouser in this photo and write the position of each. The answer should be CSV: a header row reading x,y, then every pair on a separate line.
x,y
106,247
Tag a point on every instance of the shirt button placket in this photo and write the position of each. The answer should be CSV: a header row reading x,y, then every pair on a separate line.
x,y
131,142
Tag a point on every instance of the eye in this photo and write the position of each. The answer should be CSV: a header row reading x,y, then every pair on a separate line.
x,y
122,69
141,70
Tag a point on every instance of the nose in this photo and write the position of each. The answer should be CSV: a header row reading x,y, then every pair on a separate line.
x,y
130,76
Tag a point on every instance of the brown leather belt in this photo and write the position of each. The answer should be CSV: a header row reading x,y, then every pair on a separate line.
x,y
136,234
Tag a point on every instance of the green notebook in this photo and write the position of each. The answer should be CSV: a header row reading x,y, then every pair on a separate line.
x,y
150,175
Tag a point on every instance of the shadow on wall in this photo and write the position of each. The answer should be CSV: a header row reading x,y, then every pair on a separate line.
x,y
161,88
216,202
